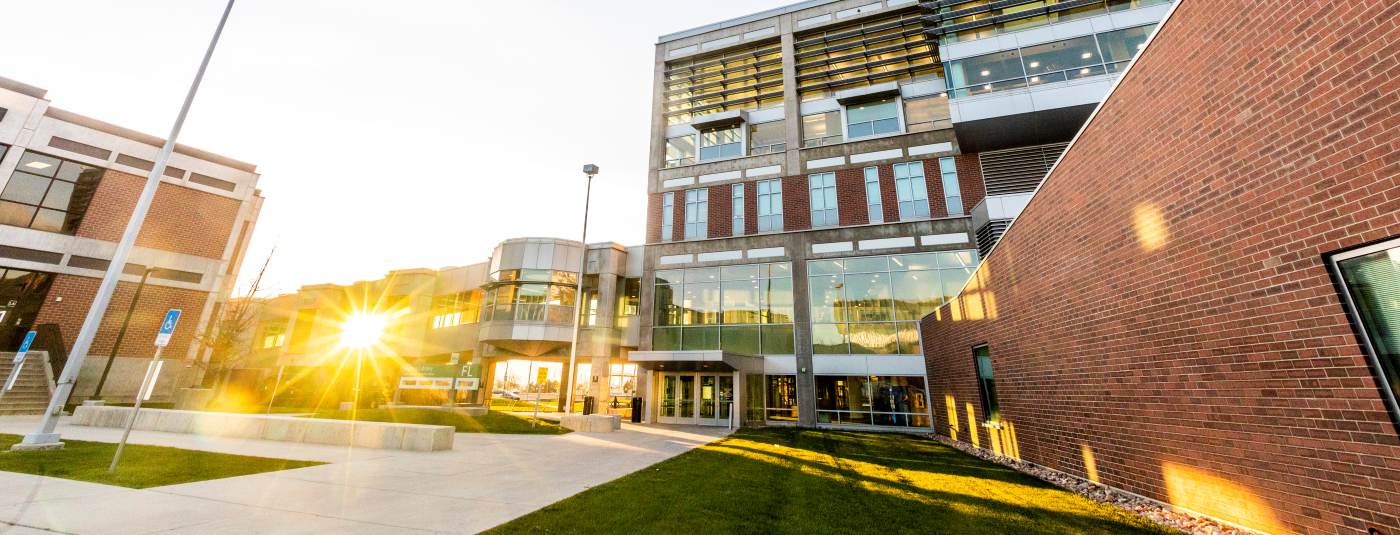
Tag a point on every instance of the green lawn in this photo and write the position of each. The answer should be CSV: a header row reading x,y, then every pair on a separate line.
x,y
141,466
493,422
787,480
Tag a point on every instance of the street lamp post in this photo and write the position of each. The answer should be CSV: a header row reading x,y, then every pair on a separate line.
x,y
589,170
107,368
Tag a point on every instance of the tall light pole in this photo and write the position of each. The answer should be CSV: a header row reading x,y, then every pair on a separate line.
x,y
589,170
44,438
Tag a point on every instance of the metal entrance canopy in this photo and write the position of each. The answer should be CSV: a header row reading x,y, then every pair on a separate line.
x,y
696,361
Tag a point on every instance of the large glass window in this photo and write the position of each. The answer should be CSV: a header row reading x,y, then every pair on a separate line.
x,y
872,305
952,192
861,400
822,192
987,73
629,298
781,402
1061,60
767,138
530,295
911,190
736,200
744,79
770,205
1058,61
872,118
668,212
744,309
1082,11
1371,278
48,193
821,129
1121,46
697,213
457,308
987,385
927,113
680,151
721,143
274,335
874,208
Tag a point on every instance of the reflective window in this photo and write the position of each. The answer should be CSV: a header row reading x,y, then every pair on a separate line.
x,y
274,335
872,118
1123,45
874,209
911,190
770,205
1068,59
744,79
736,196
1371,278
721,143
821,129
457,309
873,50
927,113
629,299
872,305
986,384
680,151
767,138
697,210
48,193
522,295
1081,11
668,211
952,192
882,400
781,401
822,193
744,309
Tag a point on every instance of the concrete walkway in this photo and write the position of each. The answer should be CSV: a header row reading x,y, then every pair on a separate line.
x,y
484,481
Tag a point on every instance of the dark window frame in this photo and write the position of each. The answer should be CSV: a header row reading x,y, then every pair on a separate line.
x,y
986,386
1388,396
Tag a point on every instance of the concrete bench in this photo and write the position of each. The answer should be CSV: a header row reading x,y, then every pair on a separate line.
x,y
592,423
380,435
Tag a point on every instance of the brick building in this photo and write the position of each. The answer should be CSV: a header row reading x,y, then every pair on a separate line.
x,y
825,173
1199,305
70,184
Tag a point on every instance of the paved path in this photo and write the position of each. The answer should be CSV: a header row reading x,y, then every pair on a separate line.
x,y
484,481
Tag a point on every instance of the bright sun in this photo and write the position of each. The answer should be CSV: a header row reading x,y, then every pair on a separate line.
x,y
363,330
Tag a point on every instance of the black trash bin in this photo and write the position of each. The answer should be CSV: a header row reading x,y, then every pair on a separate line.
x,y
636,410
587,405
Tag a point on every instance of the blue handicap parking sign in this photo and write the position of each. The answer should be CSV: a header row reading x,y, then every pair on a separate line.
x,y
167,327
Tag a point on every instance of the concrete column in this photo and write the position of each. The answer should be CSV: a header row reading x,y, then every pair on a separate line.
x,y
802,323
563,383
792,102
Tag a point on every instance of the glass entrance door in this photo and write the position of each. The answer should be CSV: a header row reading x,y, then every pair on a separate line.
x,y
696,399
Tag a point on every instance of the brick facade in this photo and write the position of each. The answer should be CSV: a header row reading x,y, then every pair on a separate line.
x,y
889,198
78,293
1160,317
654,217
181,220
797,204
751,207
969,180
850,197
721,214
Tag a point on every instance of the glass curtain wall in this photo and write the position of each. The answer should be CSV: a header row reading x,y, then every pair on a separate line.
x,y
872,305
875,51
744,309
1068,59
457,309
746,79
49,194
1084,11
530,295
876,400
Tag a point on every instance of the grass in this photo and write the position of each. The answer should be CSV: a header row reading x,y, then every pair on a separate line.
x,y
141,466
546,405
801,481
492,422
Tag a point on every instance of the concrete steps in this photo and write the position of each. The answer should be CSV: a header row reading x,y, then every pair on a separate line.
x,y
31,392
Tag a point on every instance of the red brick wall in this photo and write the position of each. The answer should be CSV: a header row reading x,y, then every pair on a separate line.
x,y
797,205
751,207
889,198
678,216
850,197
721,224
969,180
933,179
78,293
180,220
654,217
1163,305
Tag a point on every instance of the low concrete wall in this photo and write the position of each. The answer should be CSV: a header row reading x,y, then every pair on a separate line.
x,y
389,436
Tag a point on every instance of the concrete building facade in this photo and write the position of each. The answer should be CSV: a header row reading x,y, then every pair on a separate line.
x,y
68,185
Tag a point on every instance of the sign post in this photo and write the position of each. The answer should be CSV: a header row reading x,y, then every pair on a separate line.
x,y
539,391
19,363
167,327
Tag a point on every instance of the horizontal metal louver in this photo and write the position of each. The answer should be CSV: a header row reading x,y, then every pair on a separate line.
x,y
1018,170
989,234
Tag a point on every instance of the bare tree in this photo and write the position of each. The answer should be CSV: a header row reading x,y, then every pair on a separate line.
x,y
227,341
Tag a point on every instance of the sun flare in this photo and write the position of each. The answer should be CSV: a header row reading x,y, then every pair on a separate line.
x,y
363,330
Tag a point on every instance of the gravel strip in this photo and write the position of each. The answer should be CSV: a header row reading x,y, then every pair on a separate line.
x,y
1195,525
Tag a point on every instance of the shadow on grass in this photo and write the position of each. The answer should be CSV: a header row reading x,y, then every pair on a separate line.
x,y
785,480
491,422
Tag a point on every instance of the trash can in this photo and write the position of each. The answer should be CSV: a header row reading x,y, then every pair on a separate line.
x,y
587,405
636,410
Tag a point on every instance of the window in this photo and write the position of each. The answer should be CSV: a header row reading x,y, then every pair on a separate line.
x,y
737,200
873,50
456,309
680,151
860,400
1121,46
822,188
274,335
1371,281
1062,60
744,309
770,205
668,211
768,138
987,73
911,190
872,118
952,193
872,195
872,305
48,193
629,300
530,295
927,113
821,129
781,402
1058,61
745,79
991,412
697,209
721,143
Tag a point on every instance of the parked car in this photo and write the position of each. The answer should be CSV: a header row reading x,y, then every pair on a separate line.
x,y
506,394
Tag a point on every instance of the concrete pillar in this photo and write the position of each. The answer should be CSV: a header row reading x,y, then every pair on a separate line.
x,y
792,102
802,323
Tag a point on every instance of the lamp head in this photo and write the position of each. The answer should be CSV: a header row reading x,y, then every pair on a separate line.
x,y
590,169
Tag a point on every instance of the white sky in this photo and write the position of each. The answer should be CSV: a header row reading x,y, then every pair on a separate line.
x,y
387,138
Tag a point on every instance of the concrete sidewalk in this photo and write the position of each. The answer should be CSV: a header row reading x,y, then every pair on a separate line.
x,y
484,481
